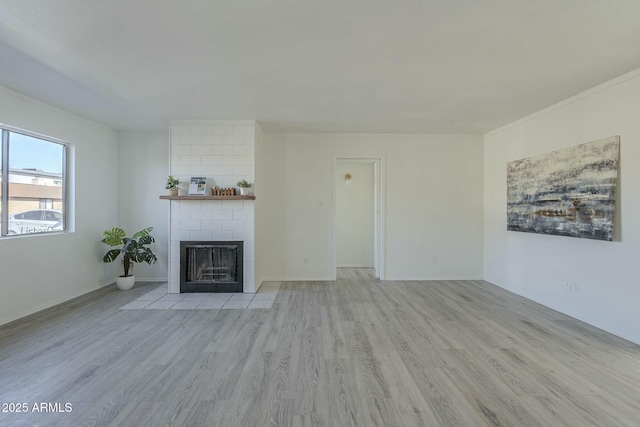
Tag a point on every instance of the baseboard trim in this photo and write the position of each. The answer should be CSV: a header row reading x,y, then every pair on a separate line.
x,y
49,304
421,279
297,279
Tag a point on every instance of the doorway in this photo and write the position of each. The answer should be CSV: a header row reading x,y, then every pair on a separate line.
x,y
358,194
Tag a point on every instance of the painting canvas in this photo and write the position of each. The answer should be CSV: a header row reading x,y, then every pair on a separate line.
x,y
570,192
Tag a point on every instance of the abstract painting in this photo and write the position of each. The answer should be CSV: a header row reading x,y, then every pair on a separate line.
x,y
570,192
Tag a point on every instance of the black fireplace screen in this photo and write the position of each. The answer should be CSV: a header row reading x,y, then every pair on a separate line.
x,y
211,266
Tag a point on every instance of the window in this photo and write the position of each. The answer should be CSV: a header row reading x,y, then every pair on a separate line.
x,y
46,203
33,177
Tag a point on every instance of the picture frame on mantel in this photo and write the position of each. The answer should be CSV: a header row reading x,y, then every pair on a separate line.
x,y
198,186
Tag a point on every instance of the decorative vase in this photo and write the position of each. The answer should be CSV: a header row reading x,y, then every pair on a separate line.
x,y
124,283
173,191
245,191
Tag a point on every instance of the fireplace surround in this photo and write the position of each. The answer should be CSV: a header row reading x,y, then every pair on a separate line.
x,y
211,266
222,151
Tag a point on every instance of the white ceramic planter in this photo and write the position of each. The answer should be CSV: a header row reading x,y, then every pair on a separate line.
x,y
125,283
245,191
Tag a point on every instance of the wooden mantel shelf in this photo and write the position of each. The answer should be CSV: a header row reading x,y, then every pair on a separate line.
x,y
208,197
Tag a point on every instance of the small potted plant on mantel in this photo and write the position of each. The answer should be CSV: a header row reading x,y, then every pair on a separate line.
x,y
172,185
245,187
133,250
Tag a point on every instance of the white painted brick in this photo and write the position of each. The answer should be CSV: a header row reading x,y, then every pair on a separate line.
x,y
243,171
222,170
216,180
189,225
201,150
212,139
223,150
180,129
212,225
190,160
180,150
222,235
233,225
232,180
241,215
211,160
232,160
174,248
242,150
201,235
174,287
191,140
243,235
177,169
183,214
248,276
212,204
200,214
175,275
179,235
222,129
244,129
222,215
190,204
183,188
201,129
201,170
233,139
232,204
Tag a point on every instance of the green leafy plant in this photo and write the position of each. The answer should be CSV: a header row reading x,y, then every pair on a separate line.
x,y
172,183
133,248
244,184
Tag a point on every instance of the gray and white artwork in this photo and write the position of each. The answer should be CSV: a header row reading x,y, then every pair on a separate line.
x,y
570,192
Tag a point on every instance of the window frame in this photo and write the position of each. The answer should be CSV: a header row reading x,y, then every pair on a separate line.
x,y
5,130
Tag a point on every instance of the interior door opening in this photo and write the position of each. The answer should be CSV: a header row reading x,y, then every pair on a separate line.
x,y
357,213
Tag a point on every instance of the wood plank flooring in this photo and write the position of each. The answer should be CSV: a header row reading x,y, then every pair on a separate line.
x,y
354,352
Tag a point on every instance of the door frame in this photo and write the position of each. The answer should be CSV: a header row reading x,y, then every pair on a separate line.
x,y
379,162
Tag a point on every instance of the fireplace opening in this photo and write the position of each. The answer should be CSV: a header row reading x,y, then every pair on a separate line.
x,y
211,266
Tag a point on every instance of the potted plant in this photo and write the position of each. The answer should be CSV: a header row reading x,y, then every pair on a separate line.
x,y
133,250
245,187
172,185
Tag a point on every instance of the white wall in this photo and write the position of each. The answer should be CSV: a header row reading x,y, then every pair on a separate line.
x,y
354,214
433,204
538,267
38,272
143,167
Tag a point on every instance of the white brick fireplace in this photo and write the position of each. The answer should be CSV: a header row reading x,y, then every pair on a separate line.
x,y
222,151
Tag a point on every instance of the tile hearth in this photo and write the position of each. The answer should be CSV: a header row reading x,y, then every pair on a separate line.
x,y
159,299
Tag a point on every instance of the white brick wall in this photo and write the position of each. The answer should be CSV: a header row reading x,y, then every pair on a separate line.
x,y
223,152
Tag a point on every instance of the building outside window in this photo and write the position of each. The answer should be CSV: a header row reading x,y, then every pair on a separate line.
x,y
46,203
33,170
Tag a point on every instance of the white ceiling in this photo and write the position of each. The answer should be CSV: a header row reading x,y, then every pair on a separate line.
x,y
410,66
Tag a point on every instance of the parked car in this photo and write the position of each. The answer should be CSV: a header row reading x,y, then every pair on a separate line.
x,y
36,221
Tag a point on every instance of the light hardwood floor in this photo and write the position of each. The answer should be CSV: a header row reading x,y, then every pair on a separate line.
x,y
354,352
